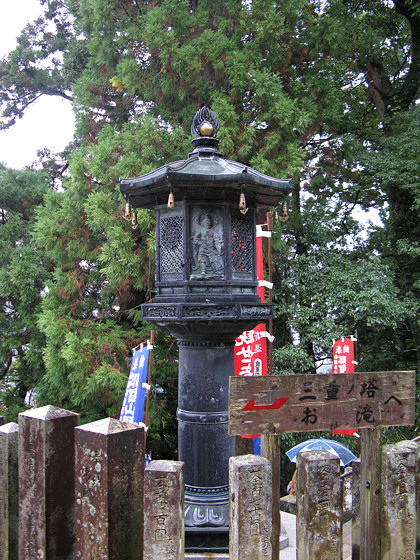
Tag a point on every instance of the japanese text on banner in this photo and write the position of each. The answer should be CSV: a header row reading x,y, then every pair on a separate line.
x,y
343,362
251,352
133,405
343,356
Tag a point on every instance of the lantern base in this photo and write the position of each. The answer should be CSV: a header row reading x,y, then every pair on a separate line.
x,y
206,507
207,539
207,519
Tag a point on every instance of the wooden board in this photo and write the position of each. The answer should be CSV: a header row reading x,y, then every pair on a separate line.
x,y
306,403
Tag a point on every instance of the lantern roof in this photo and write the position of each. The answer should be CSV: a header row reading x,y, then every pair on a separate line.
x,y
205,175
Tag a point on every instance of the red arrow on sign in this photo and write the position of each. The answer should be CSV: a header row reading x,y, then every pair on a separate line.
x,y
278,403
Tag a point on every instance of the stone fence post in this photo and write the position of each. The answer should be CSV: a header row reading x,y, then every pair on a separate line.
x,y
109,491
164,536
319,507
9,491
250,478
46,484
398,515
355,518
417,442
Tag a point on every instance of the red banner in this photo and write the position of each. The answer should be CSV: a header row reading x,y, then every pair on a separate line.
x,y
343,356
343,362
251,352
251,346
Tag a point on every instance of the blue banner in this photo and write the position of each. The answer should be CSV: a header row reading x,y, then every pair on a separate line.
x,y
133,405
256,445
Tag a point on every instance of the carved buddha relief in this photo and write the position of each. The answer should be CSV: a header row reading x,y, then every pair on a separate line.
x,y
207,244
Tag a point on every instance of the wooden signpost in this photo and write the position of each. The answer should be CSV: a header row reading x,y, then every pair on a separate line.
x,y
307,403
272,405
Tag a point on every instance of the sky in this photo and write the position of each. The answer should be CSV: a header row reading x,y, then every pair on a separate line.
x,y
49,122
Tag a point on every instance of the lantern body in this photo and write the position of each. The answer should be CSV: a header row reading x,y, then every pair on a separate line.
x,y
206,295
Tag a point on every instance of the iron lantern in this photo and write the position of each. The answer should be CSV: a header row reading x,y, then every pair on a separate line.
x,y
206,295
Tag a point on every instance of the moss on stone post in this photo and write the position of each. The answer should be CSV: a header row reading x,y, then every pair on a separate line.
x,y
319,507
250,479
398,512
9,491
109,490
46,483
164,535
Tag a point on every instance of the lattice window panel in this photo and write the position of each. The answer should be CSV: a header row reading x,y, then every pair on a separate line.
x,y
171,244
242,245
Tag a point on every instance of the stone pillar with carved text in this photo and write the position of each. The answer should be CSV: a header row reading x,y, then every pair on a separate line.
x,y
164,511
417,442
398,512
9,491
355,517
250,507
319,506
46,484
109,490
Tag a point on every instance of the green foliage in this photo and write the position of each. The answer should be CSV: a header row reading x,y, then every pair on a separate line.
x,y
22,280
46,61
329,291
323,92
103,270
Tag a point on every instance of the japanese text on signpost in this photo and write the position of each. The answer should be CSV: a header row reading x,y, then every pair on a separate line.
x,y
297,403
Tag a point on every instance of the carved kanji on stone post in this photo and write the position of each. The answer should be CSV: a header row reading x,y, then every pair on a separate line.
x,y
109,490
164,511
398,515
319,506
250,507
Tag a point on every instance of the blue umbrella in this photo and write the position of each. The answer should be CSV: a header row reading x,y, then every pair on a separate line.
x,y
334,447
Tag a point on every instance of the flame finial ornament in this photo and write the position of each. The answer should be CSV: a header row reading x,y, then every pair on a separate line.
x,y
205,124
